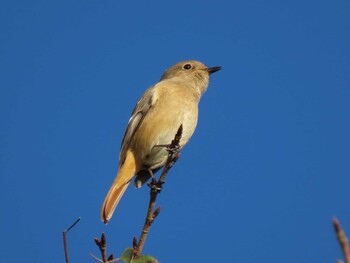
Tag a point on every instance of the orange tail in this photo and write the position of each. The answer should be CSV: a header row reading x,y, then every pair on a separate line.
x,y
125,173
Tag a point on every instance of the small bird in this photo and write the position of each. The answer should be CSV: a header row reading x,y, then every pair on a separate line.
x,y
155,120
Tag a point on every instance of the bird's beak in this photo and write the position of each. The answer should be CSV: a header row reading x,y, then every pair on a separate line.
x,y
213,69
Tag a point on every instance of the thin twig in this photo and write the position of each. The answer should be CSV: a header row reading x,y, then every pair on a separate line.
x,y
96,258
173,156
149,220
342,239
65,245
102,245
108,261
155,189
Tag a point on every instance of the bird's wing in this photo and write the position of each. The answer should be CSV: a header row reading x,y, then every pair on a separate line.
x,y
141,109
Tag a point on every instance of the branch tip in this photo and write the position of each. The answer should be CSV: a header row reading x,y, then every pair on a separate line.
x,y
156,212
342,239
103,240
69,228
111,256
336,224
65,244
134,242
97,242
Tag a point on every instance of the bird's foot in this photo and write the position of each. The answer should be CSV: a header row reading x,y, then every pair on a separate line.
x,y
155,185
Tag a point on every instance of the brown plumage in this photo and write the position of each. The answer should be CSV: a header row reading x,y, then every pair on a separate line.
x,y
157,116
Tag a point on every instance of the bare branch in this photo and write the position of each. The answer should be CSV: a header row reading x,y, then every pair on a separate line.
x,y
155,189
342,239
108,261
95,258
102,245
65,245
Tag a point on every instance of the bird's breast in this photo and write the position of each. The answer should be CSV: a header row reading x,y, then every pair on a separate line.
x,y
160,126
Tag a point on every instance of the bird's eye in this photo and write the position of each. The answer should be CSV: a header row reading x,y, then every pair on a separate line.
x,y
187,66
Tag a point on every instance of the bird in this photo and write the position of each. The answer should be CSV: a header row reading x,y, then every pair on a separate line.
x,y
155,120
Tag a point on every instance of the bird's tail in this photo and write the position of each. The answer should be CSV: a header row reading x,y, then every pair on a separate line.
x,y
125,173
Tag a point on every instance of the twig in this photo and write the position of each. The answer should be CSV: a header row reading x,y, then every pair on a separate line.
x,y
95,258
173,156
108,261
102,245
155,189
342,239
65,245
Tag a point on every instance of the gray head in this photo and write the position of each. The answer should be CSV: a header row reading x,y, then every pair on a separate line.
x,y
193,72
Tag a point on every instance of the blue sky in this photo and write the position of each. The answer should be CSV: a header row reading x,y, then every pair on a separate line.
x,y
266,170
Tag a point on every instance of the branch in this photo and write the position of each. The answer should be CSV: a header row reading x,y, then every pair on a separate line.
x,y
342,239
102,245
65,245
155,188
